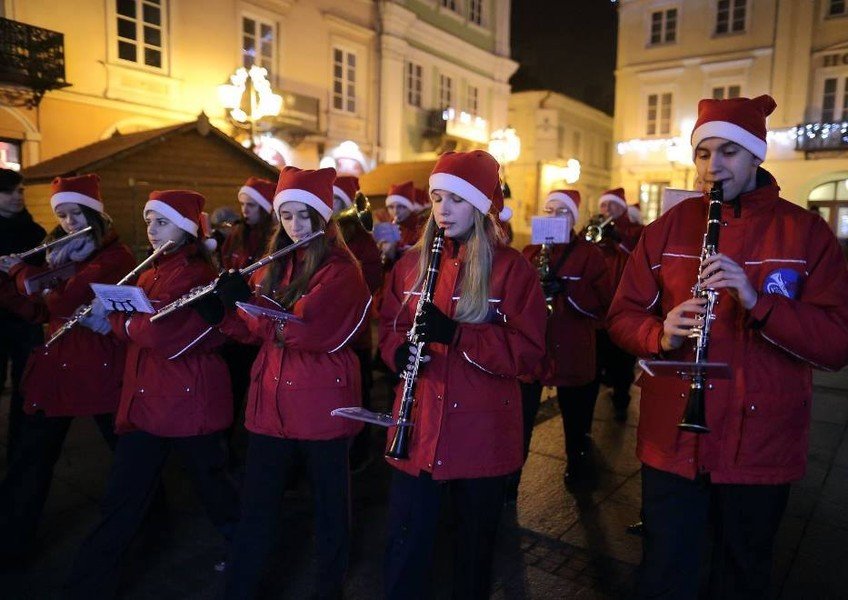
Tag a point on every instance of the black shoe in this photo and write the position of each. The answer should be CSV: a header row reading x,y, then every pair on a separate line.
x,y
637,528
621,415
579,468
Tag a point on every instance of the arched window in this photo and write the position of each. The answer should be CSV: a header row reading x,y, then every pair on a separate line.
x,y
830,200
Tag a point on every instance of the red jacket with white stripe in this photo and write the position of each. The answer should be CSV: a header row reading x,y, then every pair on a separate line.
x,y
365,250
578,312
175,383
467,413
80,374
617,251
760,418
295,385
251,250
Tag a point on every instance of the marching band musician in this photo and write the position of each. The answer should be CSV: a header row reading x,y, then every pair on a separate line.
x,y
579,287
18,335
363,247
619,239
78,376
403,210
305,369
484,329
782,310
176,396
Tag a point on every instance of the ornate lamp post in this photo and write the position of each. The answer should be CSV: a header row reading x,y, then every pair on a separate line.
x,y
248,98
505,146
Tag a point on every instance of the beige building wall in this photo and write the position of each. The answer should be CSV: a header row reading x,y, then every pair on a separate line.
x,y
781,51
553,129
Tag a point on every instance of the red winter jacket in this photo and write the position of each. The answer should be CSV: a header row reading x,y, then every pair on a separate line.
x,y
175,384
80,374
760,418
578,311
365,250
467,411
617,250
294,386
252,249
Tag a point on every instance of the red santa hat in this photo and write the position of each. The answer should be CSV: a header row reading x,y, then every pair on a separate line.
x,y
473,176
740,120
183,208
402,193
616,195
345,187
260,191
422,200
312,187
83,190
571,199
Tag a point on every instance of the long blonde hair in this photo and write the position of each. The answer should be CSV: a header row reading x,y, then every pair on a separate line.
x,y
473,304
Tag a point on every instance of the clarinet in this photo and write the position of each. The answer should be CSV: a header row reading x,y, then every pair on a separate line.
x,y
543,267
694,416
399,448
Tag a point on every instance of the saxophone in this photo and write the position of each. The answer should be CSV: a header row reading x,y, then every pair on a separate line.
x,y
694,416
399,448
544,269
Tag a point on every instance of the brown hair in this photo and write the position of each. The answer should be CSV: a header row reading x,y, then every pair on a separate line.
x,y
264,226
100,223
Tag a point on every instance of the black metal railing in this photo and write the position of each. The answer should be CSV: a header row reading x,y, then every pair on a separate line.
x,y
820,137
31,58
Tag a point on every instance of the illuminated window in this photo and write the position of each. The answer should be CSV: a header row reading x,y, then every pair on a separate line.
x,y
141,31
664,26
344,80
650,199
257,44
10,154
730,16
659,114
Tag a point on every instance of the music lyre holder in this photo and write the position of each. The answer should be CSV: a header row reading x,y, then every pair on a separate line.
x,y
685,370
357,413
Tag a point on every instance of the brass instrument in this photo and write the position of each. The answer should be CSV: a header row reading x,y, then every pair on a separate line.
x,y
399,448
56,242
84,311
694,416
544,269
204,290
360,210
594,230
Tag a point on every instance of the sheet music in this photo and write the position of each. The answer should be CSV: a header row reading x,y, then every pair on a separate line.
x,y
671,197
49,279
123,298
386,232
549,230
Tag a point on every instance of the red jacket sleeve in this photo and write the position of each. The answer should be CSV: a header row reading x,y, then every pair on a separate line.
x,y
24,307
365,250
634,321
393,322
813,327
591,294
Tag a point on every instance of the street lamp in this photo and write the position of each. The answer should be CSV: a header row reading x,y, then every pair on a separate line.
x,y
505,146
261,100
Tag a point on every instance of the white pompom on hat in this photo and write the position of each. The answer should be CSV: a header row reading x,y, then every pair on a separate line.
x,y
183,208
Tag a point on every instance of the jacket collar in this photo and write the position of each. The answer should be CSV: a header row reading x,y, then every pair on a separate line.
x,y
760,199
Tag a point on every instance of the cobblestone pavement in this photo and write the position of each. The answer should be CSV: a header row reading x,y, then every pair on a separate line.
x,y
554,543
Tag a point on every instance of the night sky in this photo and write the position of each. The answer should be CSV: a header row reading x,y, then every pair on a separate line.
x,y
567,46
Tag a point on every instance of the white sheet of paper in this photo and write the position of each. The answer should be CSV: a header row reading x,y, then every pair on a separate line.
x,y
671,197
386,232
549,230
123,298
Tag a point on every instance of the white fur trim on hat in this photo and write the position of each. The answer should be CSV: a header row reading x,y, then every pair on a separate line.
x,y
308,198
254,195
613,198
732,132
569,203
77,198
463,189
172,214
337,191
396,199
506,214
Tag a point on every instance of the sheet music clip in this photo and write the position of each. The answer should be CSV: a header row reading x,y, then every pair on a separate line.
x,y
685,369
357,413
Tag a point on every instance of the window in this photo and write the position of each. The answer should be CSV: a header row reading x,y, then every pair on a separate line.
x,y
413,84
837,8
664,26
835,99
10,154
730,17
475,11
449,4
141,31
650,199
576,143
344,80
257,44
725,92
659,114
445,92
472,100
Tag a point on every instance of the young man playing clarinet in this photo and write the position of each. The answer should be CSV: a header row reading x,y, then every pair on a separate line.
x,y
782,310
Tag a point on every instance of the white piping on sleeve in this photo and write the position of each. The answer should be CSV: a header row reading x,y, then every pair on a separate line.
x,y
655,267
355,329
681,255
768,260
580,310
479,366
652,304
192,343
798,356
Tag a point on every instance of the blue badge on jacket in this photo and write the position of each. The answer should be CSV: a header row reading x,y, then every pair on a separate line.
x,y
786,282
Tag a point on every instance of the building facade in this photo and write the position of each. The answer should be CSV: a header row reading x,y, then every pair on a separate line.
x,y
564,144
671,53
361,82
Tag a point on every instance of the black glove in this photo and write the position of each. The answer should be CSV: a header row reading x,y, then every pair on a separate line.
x,y
210,308
552,287
402,354
231,288
433,325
